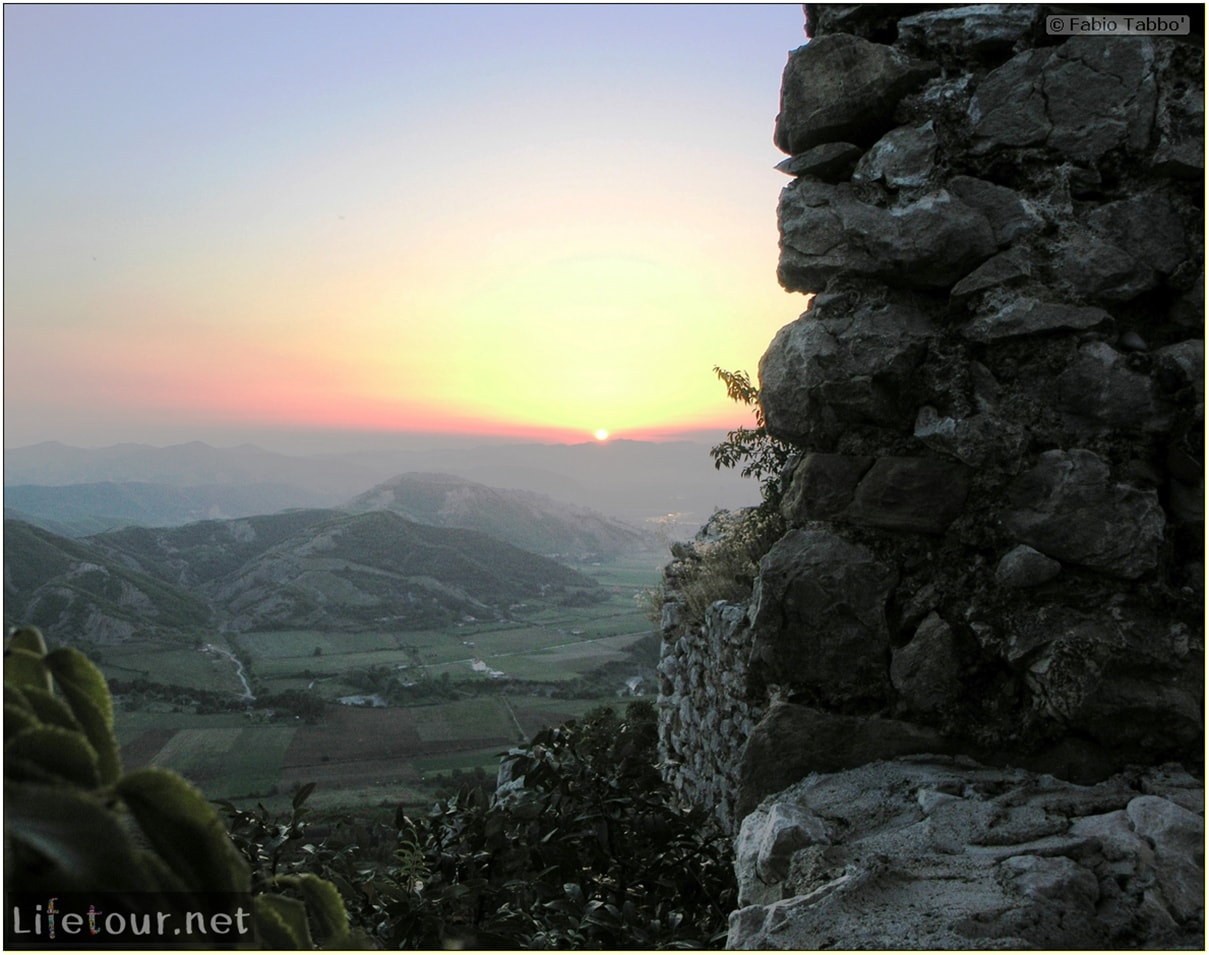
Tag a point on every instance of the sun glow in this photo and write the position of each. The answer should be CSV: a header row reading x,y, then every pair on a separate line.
x,y
602,434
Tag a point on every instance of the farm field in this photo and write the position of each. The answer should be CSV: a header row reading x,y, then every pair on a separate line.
x,y
460,697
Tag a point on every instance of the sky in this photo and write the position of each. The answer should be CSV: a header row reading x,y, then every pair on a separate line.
x,y
234,222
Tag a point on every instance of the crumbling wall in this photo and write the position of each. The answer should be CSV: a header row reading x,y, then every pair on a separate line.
x,y
995,515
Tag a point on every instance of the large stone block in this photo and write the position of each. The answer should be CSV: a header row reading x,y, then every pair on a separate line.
x,y
977,33
980,439
910,494
1099,387
1024,315
905,157
1180,114
1085,265
827,231
1010,215
830,162
926,671
1023,566
1083,98
998,272
821,375
1148,226
766,842
822,486
1068,506
793,742
897,493
819,618
843,88
1184,365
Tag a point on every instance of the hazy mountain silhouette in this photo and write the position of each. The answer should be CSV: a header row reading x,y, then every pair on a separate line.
x,y
535,522
77,510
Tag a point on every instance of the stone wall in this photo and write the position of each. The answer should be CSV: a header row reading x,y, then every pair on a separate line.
x,y
995,516
706,714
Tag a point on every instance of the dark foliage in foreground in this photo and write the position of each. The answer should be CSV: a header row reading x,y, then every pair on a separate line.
x,y
587,851
584,849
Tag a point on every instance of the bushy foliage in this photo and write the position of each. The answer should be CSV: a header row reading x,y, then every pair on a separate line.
x,y
761,455
74,822
583,849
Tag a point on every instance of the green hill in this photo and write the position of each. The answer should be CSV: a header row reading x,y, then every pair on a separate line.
x,y
70,586
300,570
379,570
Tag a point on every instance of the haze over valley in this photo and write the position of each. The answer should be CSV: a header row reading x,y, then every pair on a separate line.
x,y
77,491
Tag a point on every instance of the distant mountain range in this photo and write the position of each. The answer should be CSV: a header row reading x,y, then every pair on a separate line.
x,y
77,510
634,481
534,522
194,464
300,570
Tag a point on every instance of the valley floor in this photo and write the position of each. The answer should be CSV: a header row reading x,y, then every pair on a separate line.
x,y
420,710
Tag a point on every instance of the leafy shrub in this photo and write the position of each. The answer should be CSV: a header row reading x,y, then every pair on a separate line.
x,y
74,822
584,848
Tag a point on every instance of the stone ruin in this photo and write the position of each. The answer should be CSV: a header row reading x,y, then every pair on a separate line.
x,y
963,707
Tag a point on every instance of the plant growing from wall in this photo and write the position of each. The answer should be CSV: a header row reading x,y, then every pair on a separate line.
x,y
75,823
761,455
724,560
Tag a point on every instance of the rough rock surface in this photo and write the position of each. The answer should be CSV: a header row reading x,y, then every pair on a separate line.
x,y
994,517
940,853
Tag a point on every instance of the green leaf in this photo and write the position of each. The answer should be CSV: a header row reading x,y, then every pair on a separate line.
x,y
185,830
324,905
48,708
23,668
27,638
301,796
16,696
281,922
53,750
18,718
88,695
68,841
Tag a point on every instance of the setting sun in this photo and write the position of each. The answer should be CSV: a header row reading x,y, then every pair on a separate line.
x,y
601,434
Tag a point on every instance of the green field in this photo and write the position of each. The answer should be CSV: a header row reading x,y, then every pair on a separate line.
x,y
188,713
